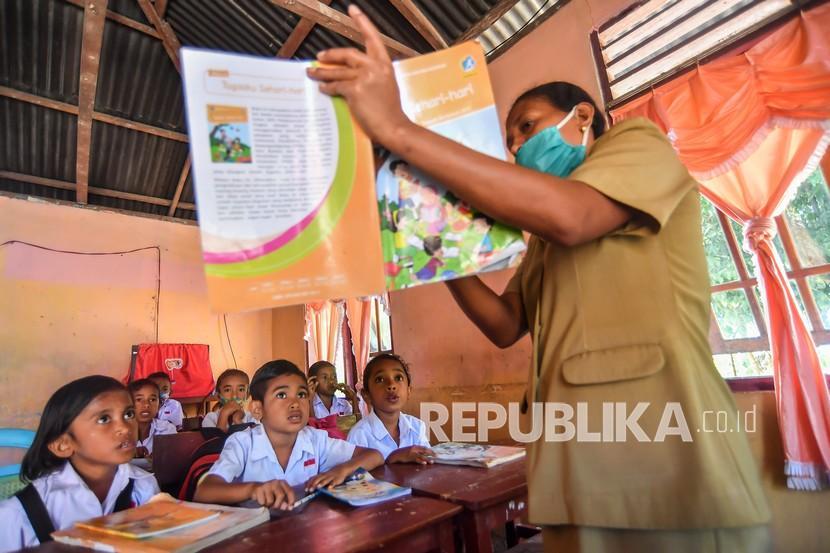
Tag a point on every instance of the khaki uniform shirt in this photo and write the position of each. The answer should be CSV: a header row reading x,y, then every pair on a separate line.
x,y
624,319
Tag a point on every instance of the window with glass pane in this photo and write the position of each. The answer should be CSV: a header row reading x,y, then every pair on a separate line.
x,y
740,345
380,331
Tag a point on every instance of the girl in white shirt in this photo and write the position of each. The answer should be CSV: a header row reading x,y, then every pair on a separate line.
x,y
145,394
78,465
232,389
401,438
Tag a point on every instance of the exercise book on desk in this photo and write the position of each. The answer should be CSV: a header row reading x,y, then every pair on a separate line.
x,y
476,455
363,489
221,523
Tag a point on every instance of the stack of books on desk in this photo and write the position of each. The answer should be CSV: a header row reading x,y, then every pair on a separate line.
x,y
163,527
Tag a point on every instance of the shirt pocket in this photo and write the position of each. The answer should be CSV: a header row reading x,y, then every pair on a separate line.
x,y
613,364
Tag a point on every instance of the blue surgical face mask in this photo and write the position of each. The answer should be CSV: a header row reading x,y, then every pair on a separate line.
x,y
164,396
549,153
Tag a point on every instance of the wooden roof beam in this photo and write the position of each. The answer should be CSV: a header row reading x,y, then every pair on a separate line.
x,y
95,13
495,13
122,19
338,22
96,115
106,192
168,37
297,36
422,24
179,187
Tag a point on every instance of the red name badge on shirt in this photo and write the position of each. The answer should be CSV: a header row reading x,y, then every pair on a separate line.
x,y
309,463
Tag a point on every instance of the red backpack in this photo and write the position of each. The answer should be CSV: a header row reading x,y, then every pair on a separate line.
x,y
187,364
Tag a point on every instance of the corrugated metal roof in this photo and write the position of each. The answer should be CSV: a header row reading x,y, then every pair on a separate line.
x,y
513,21
37,141
40,55
152,95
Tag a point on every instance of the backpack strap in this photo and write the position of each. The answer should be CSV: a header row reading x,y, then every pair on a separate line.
x,y
124,500
37,513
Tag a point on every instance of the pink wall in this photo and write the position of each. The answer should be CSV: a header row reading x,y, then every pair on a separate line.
x,y
65,316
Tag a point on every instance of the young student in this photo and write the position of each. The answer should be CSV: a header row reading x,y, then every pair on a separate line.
x,y
78,465
169,408
324,402
264,462
232,389
145,396
401,438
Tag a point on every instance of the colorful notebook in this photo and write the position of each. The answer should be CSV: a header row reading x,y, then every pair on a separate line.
x,y
476,455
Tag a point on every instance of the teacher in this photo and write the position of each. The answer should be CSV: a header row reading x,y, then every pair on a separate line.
x,y
614,291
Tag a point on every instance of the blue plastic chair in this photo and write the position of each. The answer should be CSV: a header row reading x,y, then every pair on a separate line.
x,y
10,474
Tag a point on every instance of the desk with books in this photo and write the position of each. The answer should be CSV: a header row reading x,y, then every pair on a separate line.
x,y
491,497
411,524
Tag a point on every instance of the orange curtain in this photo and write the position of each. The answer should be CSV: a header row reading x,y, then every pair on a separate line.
x,y
323,321
359,317
751,128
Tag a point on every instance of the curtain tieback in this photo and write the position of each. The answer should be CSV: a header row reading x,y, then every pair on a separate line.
x,y
758,229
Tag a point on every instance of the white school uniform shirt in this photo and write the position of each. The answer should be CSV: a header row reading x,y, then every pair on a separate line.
x,y
370,432
157,426
68,500
248,456
339,406
211,420
171,411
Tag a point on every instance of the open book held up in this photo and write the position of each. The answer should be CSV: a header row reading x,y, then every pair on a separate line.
x,y
288,207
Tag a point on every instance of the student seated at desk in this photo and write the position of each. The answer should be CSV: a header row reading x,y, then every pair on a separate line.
x,y
401,438
145,394
263,462
232,389
169,408
324,402
78,465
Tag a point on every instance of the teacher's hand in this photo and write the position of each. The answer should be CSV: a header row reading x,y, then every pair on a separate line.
x,y
365,80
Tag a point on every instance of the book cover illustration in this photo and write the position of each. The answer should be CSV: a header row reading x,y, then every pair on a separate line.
x,y
428,234
364,489
152,519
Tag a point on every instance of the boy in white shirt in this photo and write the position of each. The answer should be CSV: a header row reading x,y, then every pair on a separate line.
x,y
169,409
264,462
401,438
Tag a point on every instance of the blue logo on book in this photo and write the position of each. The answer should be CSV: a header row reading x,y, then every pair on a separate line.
x,y
468,64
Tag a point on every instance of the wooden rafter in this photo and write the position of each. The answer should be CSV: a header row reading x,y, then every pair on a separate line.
x,y
161,7
297,36
66,185
336,21
495,13
422,24
122,19
168,37
96,116
95,13
179,187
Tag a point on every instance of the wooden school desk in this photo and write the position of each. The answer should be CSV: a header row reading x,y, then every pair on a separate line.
x,y
490,497
410,525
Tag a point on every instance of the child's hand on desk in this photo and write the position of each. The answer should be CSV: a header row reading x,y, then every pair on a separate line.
x,y
412,454
330,478
275,494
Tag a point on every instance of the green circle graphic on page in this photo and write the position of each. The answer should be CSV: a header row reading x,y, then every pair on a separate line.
x,y
322,221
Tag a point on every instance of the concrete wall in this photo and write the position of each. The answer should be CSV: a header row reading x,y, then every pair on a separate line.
x,y
64,316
